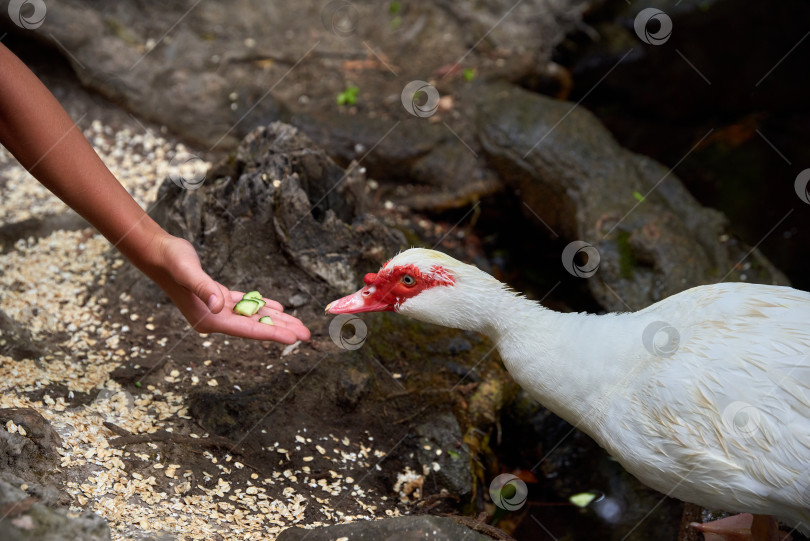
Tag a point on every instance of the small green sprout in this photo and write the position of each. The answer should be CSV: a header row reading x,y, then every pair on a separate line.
x,y
638,196
394,9
138,384
469,74
348,96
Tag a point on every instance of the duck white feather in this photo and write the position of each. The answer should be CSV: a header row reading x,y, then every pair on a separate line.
x,y
704,396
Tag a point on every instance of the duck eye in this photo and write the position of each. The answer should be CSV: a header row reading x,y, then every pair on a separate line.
x,y
408,280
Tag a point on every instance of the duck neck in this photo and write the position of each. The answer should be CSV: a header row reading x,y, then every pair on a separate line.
x,y
571,363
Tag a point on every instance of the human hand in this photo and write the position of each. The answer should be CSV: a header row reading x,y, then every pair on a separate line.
x,y
208,305
41,135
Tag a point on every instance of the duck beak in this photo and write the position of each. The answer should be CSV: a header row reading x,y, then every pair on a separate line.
x,y
360,301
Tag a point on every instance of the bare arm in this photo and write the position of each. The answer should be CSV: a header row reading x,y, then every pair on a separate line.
x,y
39,133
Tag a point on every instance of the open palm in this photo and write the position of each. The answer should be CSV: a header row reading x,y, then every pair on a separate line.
x,y
208,305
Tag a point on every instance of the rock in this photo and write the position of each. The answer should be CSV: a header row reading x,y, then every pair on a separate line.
x,y
705,81
36,427
299,299
23,518
282,210
28,454
442,452
351,386
458,345
295,227
217,74
404,528
13,446
653,238
16,341
408,151
212,73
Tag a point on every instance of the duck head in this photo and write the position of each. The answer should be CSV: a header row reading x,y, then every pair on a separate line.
x,y
426,285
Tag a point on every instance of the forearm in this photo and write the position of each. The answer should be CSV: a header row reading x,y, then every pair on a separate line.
x,y
39,133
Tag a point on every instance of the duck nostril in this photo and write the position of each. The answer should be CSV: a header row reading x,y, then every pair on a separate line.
x,y
366,293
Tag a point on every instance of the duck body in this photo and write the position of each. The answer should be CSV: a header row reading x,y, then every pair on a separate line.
x,y
703,396
722,418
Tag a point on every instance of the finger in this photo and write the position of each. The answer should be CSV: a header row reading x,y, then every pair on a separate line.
x,y
190,275
297,328
251,328
206,289
294,326
285,329
284,320
275,315
275,305
301,332
223,298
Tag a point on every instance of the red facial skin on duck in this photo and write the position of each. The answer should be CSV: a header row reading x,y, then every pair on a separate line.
x,y
387,289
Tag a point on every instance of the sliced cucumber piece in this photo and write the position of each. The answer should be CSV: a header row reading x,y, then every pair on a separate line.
x,y
583,499
247,307
266,320
252,295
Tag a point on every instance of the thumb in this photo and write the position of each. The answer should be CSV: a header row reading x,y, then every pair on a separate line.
x,y
204,288
211,294
186,271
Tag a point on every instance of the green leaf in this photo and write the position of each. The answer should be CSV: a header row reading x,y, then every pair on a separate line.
x,y
469,74
638,196
394,7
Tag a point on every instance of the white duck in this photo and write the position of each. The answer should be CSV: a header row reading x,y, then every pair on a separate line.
x,y
704,396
